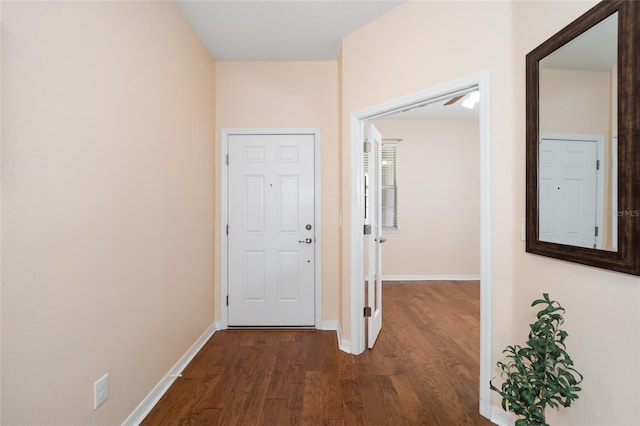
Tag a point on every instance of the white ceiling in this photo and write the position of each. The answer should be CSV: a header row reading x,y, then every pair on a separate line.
x,y
437,111
593,50
292,30
285,30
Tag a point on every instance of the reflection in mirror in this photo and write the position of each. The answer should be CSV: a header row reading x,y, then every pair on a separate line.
x,y
577,176
580,112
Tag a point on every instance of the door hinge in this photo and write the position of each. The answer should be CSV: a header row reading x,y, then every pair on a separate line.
x,y
227,159
367,230
596,231
227,229
227,300
597,164
367,147
367,311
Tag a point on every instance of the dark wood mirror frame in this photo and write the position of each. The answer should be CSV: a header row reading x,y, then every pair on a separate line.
x,y
627,258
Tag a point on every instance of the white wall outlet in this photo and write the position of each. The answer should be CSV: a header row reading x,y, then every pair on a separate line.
x,y
100,391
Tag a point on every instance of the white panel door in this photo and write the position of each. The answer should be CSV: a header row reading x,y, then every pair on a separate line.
x,y
271,238
567,192
374,219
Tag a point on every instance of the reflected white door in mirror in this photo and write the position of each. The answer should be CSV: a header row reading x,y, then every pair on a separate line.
x,y
571,202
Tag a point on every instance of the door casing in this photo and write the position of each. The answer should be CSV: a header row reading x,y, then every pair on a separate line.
x,y
224,150
357,343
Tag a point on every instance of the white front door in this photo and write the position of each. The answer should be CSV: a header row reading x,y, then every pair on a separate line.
x,y
568,192
374,219
271,238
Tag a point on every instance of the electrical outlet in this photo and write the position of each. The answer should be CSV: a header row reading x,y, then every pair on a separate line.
x,y
100,391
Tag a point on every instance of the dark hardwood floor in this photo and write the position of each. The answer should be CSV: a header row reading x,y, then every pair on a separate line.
x,y
424,370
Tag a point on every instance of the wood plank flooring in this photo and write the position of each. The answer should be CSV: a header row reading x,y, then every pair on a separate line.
x,y
424,370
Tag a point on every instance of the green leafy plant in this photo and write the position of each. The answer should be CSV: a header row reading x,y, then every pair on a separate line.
x,y
540,373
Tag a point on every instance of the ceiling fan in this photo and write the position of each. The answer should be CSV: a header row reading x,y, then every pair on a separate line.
x,y
470,99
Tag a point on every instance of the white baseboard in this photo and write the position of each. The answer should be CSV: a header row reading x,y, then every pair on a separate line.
x,y
329,325
431,277
147,404
343,345
501,417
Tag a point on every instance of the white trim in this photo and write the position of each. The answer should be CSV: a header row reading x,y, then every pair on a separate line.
x,y
501,417
431,278
315,132
343,345
147,404
357,241
485,243
480,80
222,202
599,141
329,325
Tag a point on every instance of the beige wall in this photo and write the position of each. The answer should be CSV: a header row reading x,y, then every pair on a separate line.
x,y
107,204
438,198
574,101
289,95
402,53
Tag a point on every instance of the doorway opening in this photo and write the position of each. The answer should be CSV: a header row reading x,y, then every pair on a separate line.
x,y
479,82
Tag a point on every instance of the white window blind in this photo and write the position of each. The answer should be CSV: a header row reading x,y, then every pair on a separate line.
x,y
389,185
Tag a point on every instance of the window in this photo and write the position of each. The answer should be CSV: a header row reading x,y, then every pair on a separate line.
x,y
389,185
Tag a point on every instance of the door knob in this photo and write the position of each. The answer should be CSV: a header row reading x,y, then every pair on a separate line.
x,y
382,240
306,241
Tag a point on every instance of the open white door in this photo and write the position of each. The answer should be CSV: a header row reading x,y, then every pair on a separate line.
x,y
374,219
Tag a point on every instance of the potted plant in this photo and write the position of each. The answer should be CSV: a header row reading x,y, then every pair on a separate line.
x,y
540,373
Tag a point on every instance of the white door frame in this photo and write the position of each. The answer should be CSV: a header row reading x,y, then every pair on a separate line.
x,y
481,80
600,156
224,202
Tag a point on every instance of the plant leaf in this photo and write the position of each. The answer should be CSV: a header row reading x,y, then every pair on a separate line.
x,y
540,373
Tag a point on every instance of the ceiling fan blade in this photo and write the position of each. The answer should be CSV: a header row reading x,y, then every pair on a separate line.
x,y
454,100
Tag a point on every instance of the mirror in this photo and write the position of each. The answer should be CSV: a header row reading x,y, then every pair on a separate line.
x,y
576,101
583,199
